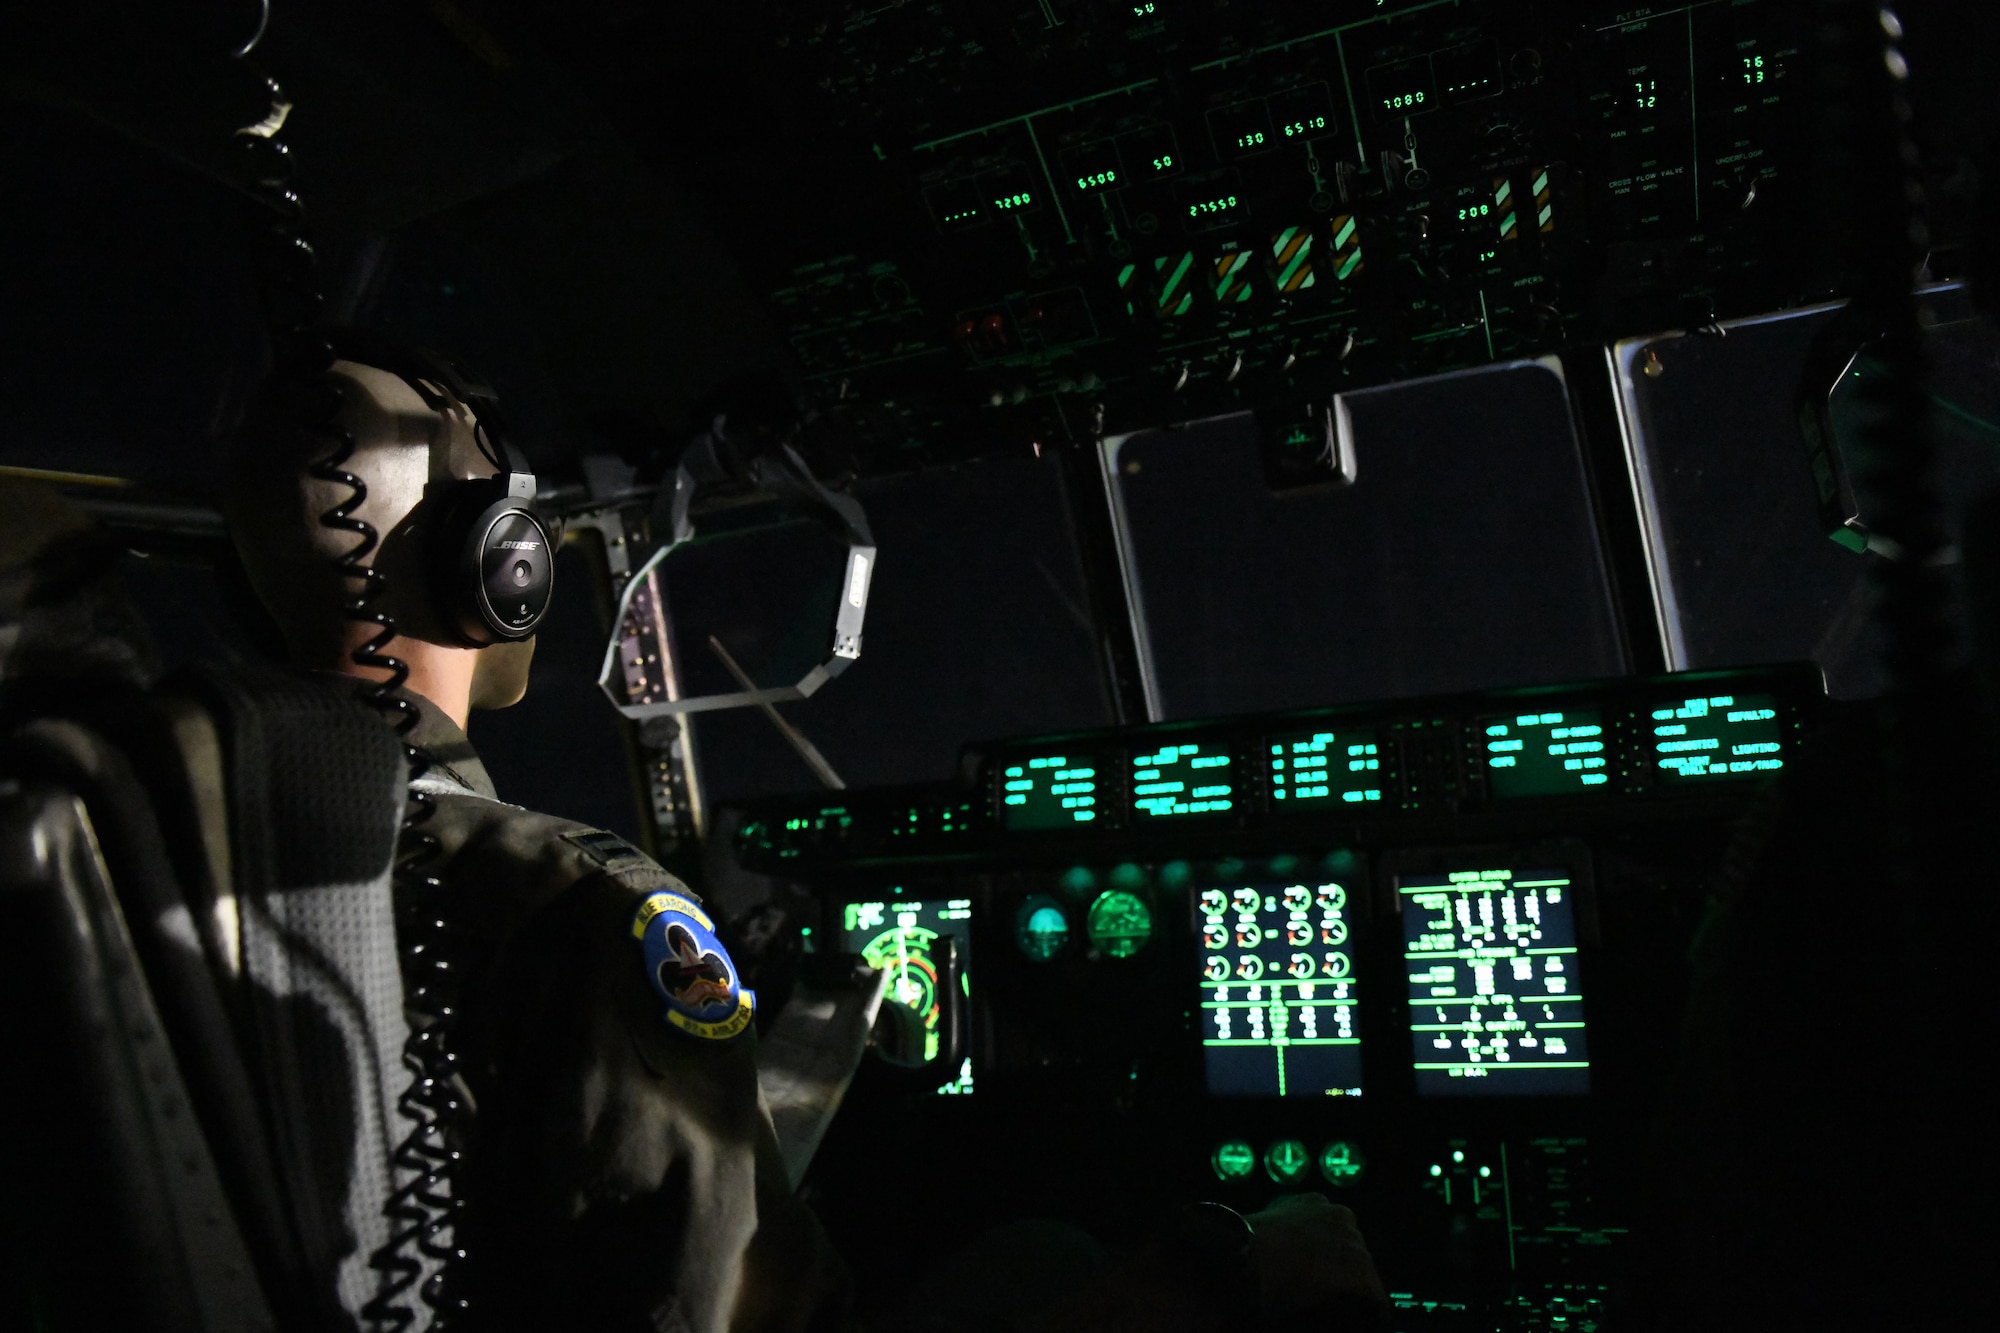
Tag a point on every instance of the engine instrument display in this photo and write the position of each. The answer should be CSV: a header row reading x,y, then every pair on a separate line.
x,y
1718,736
1546,754
1277,991
1496,998
904,938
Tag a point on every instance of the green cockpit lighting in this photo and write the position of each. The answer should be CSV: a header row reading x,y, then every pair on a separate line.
x,y
1233,1160
1041,928
1120,923
1342,1163
1287,1161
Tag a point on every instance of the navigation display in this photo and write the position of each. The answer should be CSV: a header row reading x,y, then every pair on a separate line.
x,y
1277,991
1053,791
1717,736
1545,754
1310,769
903,937
1496,997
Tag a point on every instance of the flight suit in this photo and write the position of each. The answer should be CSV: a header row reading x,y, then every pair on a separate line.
x,y
620,1170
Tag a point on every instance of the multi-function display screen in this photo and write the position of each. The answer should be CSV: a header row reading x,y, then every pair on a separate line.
x,y
1277,991
1313,769
1717,736
1546,754
1183,779
1062,789
1496,997
905,938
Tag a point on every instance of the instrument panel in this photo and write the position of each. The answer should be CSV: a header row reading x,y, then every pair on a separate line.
x,y
1621,750
1454,1006
1053,219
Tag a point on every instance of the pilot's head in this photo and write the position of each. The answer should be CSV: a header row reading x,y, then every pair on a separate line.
x,y
406,437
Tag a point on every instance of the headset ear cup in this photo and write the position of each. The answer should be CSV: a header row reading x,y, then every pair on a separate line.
x,y
493,564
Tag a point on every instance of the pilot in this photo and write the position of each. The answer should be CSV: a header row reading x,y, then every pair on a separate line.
x,y
619,1170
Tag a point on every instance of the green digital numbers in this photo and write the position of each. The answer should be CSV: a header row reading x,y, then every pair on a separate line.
x,y
1645,93
1008,202
1211,206
1475,211
1097,180
1310,123
1403,101
1753,69
1165,162
1250,140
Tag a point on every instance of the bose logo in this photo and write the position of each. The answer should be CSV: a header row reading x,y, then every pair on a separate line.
x,y
520,546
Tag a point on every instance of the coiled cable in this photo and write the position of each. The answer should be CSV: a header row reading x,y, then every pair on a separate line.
x,y
422,1252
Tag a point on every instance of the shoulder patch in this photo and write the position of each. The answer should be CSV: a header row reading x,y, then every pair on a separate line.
x,y
689,969
607,849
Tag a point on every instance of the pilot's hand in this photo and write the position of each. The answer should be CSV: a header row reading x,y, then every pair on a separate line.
x,y
1313,1269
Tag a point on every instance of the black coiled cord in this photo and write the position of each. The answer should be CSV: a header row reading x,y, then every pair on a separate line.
x,y
424,1209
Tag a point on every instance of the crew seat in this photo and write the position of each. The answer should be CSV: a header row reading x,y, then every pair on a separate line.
x,y
201,1010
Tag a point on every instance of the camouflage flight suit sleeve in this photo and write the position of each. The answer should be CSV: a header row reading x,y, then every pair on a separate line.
x,y
621,1172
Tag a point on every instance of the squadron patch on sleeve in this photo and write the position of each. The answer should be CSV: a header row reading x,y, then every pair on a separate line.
x,y
689,968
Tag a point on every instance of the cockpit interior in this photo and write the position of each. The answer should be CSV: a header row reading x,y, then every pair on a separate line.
x,y
1208,601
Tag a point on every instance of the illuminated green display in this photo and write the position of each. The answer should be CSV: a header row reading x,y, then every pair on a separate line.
x,y
1287,1161
1404,88
1120,923
1310,769
1041,928
1182,780
903,938
1719,736
1496,998
1095,168
1242,130
1301,113
1342,1163
1545,754
1051,791
1152,154
1277,991
1233,1160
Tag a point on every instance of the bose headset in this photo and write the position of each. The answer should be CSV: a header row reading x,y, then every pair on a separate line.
x,y
489,558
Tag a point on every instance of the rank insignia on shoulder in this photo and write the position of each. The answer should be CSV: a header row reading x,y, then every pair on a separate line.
x,y
607,849
689,968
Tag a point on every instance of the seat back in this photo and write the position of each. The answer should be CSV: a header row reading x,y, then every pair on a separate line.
x,y
116,1215
243,831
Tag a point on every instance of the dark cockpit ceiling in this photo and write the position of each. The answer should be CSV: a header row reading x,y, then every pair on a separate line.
x,y
625,210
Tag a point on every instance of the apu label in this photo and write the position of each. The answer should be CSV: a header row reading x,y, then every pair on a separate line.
x,y
690,969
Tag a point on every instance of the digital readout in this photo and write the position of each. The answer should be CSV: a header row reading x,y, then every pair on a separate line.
x,y
1313,768
1545,754
1183,779
1717,736
1051,791
1496,998
1277,988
